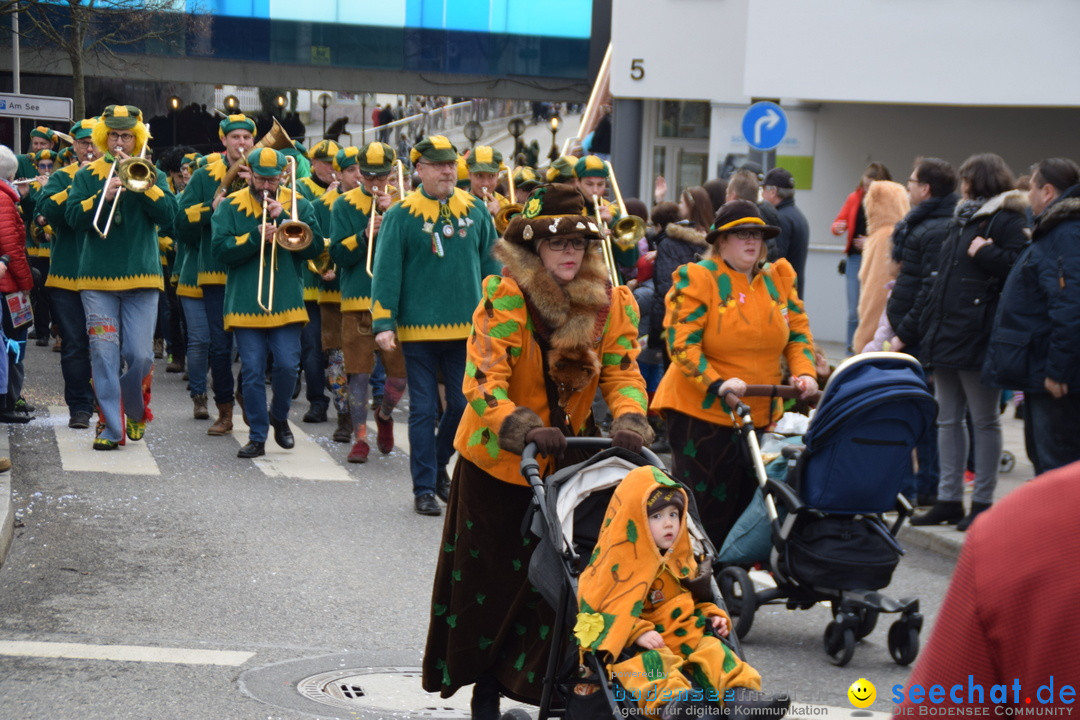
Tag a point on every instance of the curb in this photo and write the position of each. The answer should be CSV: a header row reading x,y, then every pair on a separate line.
x,y
938,540
7,512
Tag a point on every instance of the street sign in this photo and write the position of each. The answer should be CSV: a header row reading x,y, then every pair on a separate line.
x,y
764,125
35,107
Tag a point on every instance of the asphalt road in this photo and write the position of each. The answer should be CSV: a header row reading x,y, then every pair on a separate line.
x,y
278,576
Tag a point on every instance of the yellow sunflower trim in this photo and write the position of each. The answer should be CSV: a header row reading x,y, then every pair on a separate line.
x,y
588,628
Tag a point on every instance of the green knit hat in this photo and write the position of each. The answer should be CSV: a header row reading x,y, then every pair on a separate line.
x,y
324,150
525,178
266,162
376,158
45,133
121,117
83,129
591,166
561,170
434,148
484,159
239,121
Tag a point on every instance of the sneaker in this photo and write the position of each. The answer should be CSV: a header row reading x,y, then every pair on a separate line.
x,y
176,366
359,452
136,429
103,444
427,505
969,479
80,420
159,348
23,406
15,416
384,440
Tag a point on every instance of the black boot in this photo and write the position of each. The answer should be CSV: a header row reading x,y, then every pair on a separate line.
x,y
950,512
976,508
742,703
485,699
252,450
282,434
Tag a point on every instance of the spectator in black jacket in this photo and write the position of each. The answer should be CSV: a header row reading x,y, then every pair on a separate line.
x,y
793,242
916,243
988,234
1035,343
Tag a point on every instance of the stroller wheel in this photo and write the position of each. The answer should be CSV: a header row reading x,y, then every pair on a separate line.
x,y
839,643
1007,462
737,589
868,618
903,642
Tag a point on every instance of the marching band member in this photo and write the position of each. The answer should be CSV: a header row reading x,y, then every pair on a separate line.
x,y
63,280
435,247
119,273
199,200
238,243
353,213
484,164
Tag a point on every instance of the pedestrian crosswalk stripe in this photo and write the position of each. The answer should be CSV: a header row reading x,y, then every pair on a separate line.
x,y
124,653
77,452
306,461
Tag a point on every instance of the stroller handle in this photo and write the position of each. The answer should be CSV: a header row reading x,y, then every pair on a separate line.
x,y
735,402
530,466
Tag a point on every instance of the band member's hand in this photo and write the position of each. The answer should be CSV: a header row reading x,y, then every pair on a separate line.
x,y
386,340
41,221
376,221
549,441
720,625
273,208
605,213
332,187
493,206
112,188
651,640
807,386
329,276
628,440
218,198
383,199
268,231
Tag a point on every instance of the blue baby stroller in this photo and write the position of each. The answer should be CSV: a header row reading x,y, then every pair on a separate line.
x,y
828,540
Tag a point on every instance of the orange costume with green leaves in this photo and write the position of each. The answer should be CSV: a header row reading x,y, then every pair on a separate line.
x,y
632,587
720,325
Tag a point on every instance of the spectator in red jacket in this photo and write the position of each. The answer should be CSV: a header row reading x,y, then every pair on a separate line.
x,y
15,278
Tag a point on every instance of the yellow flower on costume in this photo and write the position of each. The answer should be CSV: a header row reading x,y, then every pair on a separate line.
x,y
532,209
588,628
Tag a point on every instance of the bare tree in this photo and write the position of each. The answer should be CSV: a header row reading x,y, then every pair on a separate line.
x,y
106,32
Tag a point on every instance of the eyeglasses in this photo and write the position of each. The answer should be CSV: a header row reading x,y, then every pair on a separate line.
x,y
123,137
749,234
558,244
917,181
45,166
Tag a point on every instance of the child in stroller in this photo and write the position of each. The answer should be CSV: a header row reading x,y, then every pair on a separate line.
x,y
645,592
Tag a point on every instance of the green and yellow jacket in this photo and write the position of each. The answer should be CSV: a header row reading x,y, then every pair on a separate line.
x,y
196,206
128,258
236,244
348,247
66,242
428,266
186,270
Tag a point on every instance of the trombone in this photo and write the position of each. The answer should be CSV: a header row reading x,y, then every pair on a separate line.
x,y
605,244
507,211
293,234
370,260
136,174
629,229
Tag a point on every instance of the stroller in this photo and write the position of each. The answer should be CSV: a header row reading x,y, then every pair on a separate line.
x,y
828,541
569,507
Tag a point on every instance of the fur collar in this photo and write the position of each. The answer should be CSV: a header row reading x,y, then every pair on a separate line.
x,y
568,311
686,233
1012,200
1067,207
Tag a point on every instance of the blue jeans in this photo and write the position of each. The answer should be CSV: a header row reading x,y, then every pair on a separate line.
x,y
851,274
198,344
221,344
74,349
254,343
121,329
1051,430
312,359
432,447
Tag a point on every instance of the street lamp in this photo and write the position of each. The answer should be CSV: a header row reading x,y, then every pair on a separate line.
x,y
516,128
280,101
473,132
232,104
324,102
174,103
554,124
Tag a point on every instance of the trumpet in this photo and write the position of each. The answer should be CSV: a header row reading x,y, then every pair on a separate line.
x,y
136,174
293,234
605,245
370,259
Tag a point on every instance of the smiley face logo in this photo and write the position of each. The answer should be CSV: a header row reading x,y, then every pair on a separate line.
x,y
862,693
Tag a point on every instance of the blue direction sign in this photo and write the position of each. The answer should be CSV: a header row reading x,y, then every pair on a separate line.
x,y
764,125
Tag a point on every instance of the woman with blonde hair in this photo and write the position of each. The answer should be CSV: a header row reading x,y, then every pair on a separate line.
x,y
886,203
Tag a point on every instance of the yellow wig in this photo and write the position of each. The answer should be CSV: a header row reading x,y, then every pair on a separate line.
x,y
100,137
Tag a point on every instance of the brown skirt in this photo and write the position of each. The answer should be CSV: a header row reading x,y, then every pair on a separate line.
x,y
486,618
713,461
